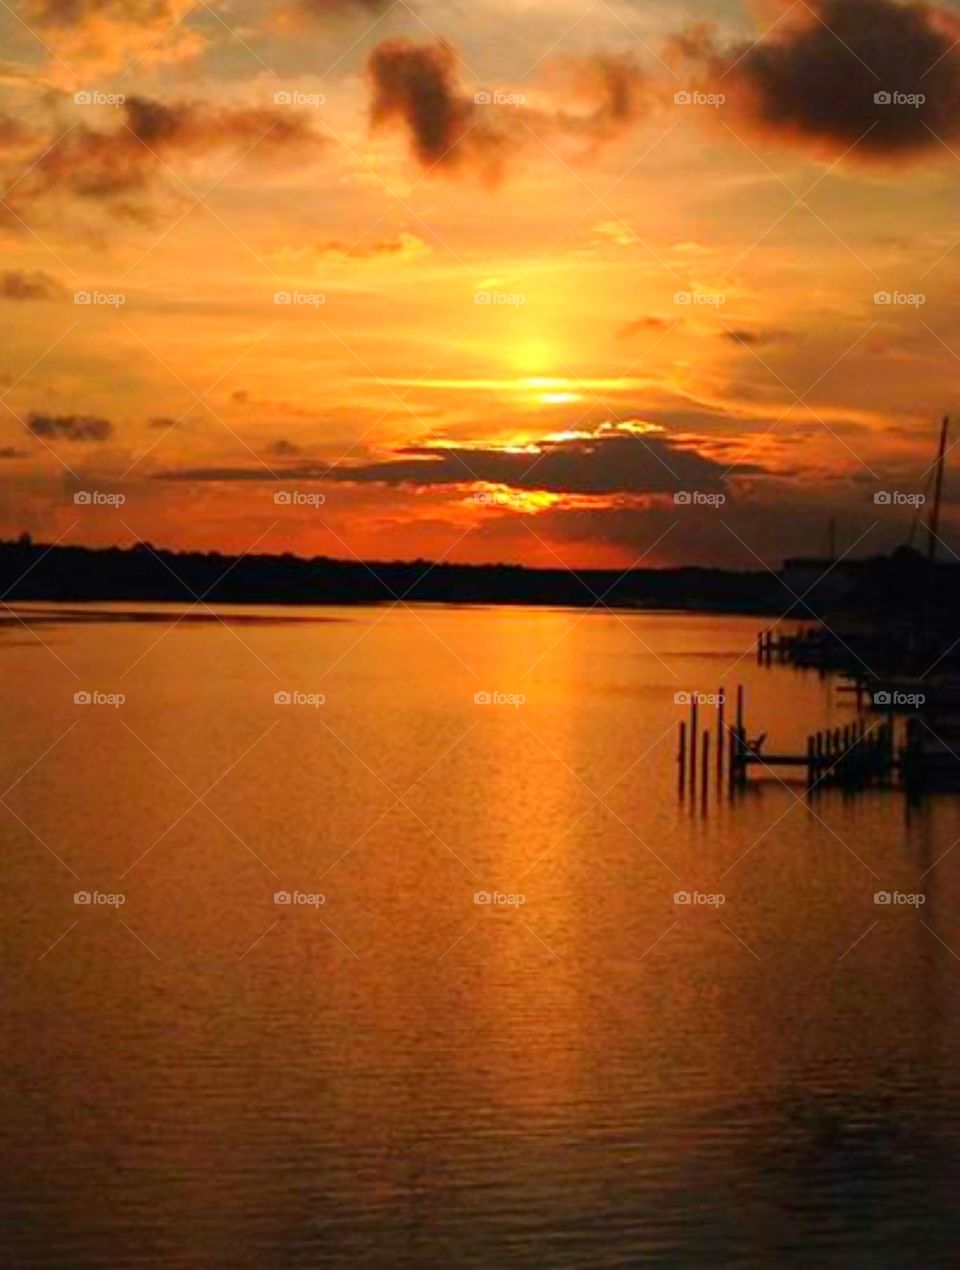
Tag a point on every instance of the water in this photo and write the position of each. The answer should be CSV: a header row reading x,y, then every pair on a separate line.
x,y
401,1076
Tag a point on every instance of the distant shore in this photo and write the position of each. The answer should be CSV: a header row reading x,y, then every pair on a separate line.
x,y
143,573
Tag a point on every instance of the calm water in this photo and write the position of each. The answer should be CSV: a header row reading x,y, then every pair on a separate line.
x,y
401,1076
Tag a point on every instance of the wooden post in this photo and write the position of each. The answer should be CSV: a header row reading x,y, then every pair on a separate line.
x,y
682,756
739,707
693,745
811,758
705,767
720,711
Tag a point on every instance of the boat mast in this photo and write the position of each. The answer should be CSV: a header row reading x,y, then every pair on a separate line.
x,y
933,524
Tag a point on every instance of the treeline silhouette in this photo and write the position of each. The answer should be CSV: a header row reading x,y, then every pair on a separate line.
x,y
35,571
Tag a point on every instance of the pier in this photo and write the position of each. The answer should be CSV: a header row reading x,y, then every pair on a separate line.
x,y
853,756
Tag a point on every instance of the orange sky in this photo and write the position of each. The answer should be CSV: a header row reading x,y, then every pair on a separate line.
x,y
549,265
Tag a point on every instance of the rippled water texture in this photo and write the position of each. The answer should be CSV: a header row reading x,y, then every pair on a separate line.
x,y
396,1075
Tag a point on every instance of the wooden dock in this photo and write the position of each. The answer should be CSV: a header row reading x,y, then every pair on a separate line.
x,y
852,756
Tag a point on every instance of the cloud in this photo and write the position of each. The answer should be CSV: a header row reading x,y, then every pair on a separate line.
x,y
71,427
612,459
115,164
324,10
16,284
404,247
282,449
416,89
613,93
100,35
641,326
755,339
11,452
813,78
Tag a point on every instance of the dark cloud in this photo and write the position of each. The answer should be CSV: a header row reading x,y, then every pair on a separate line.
x,y
613,459
814,76
416,88
162,424
10,452
283,449
127,160
71,427
754,339
15,284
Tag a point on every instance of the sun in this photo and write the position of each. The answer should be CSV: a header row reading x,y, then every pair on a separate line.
x,y
534,359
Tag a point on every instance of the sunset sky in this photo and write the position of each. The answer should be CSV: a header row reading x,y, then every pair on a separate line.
x,y
552,262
